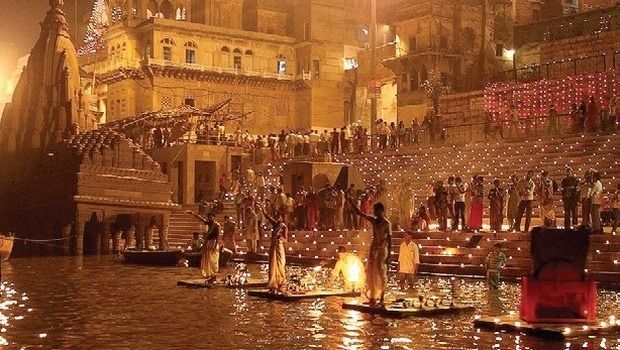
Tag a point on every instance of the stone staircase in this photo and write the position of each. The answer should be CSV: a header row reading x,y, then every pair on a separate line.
x,y
452,253
182,225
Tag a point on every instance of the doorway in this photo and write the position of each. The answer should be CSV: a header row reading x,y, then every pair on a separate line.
x,y
204,180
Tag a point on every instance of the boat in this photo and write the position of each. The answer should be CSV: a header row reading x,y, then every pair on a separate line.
x,y
153,257
6,246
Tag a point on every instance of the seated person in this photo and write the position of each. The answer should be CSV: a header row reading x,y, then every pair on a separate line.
x,y
195,244
421,220
351,268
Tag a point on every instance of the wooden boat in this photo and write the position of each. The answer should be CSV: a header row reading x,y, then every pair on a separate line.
x,y
315,294
6,247
153,257
397,310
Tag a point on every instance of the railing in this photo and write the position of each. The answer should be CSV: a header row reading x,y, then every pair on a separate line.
x,y
587,23
215,69
597,63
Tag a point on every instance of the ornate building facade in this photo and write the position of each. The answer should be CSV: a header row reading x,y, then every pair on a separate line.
x,y
283,61
60,177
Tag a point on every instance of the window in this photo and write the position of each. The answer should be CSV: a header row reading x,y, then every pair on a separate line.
x,y
190,52
404,83
413,44
499,50
316,68
414,83
190,56
282,65
167,44
350,63
237,59
190,102
167,53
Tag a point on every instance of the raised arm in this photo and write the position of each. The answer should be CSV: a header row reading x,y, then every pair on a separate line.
x,y
267,216
358,211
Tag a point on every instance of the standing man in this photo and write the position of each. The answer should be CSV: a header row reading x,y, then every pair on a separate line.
x,y
335,140
451,200
525,188
596,195
252,235
459,203
229,232
350,220
570,197
615,205
408,261
209,261
379,253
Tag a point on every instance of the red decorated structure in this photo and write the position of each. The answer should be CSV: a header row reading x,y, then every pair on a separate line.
x,y
558,290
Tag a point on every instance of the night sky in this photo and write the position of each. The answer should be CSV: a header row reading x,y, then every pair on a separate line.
x,y
19,26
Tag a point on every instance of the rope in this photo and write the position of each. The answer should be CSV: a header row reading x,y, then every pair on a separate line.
x,y
41,240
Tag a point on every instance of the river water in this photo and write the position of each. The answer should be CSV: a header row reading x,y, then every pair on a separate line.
x,y
100,303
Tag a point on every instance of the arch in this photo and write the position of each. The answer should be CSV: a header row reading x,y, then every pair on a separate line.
x,y
167,41
225,49
166,9
191,44
237,51
249,52
93,229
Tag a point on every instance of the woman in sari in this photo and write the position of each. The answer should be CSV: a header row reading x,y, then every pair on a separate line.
x,y
209,261
277,254
475,214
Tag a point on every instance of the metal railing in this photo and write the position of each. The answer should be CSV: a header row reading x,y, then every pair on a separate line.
x,y
215,69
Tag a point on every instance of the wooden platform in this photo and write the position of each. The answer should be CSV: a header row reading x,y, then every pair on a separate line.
x,y
263,293
392,310
200,283
513,324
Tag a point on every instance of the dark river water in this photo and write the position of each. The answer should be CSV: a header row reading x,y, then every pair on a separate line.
x,y
99,303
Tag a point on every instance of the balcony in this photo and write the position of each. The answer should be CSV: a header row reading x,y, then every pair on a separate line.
x,y
220,70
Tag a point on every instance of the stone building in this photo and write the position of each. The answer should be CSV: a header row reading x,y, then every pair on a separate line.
x,y
466,42
281,60
60,177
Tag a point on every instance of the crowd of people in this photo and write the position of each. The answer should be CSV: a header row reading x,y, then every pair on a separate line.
x,y
461,203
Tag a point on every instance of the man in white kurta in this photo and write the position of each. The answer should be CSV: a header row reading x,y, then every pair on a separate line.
x,y
408,261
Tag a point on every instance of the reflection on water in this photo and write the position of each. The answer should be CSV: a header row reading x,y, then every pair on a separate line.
x,y
97,303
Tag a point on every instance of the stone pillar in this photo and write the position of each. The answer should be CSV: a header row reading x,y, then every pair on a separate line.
x,y
140,236
148,239
78,236
117,241
65,248
130,239
163,232
105,238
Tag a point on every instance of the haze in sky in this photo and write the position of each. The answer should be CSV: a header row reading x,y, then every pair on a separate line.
x,y
19,27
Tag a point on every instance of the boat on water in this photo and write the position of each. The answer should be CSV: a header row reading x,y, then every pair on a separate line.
x,y
153,257
6,246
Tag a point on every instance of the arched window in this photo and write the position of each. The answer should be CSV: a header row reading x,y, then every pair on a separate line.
x,y
167,45
190,52
237,58
152,9
249,52
166,9
225,49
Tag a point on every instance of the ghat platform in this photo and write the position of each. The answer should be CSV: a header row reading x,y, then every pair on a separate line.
x,y
396,310
263,293
512,324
